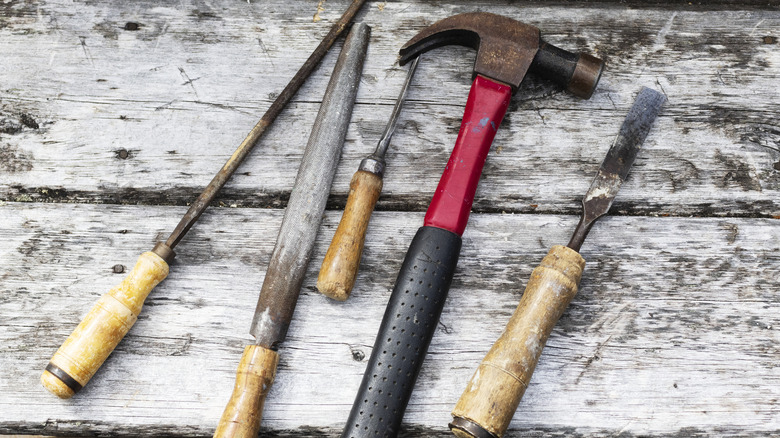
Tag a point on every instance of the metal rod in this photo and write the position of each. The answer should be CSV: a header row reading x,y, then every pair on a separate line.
x,y
375,163
384,142
199,206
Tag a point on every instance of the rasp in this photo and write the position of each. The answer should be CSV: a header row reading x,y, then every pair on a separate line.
x,y
294,245
494,392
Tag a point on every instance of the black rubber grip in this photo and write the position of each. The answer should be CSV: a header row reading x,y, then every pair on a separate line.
x,y
410,320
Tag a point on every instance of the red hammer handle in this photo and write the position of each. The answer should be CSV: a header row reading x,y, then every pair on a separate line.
x,y
485,109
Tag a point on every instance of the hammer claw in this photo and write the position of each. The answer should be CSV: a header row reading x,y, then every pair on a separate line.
x,y
507,50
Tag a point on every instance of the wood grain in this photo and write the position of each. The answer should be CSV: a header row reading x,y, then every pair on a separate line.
x,y
244,411
665,301
118,105
342,260
494,391
673,333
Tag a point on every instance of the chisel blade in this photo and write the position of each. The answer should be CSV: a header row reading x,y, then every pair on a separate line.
x,y
620,157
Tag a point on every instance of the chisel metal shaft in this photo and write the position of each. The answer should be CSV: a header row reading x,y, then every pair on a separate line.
x,y
109,320
494,392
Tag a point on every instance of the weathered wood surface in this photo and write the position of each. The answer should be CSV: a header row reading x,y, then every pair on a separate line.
x,y
674,331
171,100
668,334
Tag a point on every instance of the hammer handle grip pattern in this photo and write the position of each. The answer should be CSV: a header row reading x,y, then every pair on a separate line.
x,y
243,413
410,320
494,392
109,320
340,266
485,109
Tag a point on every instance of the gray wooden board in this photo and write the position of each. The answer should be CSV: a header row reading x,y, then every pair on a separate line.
x,y
675,327
675,330
178,95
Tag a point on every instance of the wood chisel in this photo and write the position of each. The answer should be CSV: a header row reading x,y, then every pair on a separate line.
x,y
341,262
109,320
494,392
294,245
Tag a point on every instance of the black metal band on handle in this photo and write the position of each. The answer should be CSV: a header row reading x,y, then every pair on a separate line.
x,y
66,378
407,328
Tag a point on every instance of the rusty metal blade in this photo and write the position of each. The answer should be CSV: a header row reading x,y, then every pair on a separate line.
x,y
294,245
620,157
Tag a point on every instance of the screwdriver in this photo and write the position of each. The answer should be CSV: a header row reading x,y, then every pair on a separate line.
x,y
491,398
341,262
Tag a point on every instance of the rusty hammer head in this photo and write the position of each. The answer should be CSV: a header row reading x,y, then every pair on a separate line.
x,y
508,49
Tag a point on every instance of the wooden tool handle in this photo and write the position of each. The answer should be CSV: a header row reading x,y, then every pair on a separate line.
x,y
242,415
100,331
491,397
340,266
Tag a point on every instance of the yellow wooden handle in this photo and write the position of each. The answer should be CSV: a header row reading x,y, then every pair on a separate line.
x,y
340,266
242,415
100,331
494,392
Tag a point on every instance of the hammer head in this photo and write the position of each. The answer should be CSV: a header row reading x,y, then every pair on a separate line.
x,y
507,50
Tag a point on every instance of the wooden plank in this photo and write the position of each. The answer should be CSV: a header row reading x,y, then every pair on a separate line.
x,y
92,112
674,331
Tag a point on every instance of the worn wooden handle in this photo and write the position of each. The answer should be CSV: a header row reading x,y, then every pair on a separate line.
x,y
100,331
494,392
242,415
340,266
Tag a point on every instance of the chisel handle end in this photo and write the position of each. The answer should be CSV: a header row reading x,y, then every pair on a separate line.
x,y
340,266
100,331
494,392
255,375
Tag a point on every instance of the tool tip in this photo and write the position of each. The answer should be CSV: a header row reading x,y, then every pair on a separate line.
x,y
650,94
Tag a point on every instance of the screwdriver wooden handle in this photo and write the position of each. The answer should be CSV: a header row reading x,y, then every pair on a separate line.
x,y
100,331
340,266
255,375
494,392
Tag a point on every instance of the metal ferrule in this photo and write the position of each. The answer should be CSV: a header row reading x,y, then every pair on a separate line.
x,y
373,164
164,251
464,427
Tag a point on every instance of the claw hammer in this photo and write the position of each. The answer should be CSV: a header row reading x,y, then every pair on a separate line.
x,y
506,51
